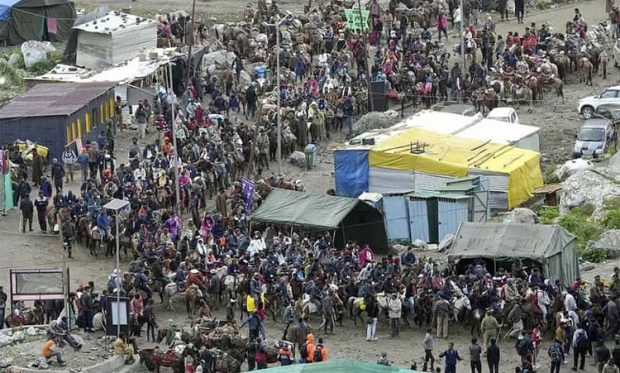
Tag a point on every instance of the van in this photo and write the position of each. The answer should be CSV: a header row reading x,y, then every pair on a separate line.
x,y
594,138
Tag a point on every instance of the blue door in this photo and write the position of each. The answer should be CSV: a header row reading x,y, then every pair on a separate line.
x,y
418,219
396,217
451,213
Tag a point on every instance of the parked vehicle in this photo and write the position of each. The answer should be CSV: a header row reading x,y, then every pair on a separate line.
x,y
504,114
453,108
588,105
595,137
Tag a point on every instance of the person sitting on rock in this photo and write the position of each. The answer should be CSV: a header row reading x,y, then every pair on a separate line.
x,y
122,348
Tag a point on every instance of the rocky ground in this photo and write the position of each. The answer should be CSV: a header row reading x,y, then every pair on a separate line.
x,y
558,121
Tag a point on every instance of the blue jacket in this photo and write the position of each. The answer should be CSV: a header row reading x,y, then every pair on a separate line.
x,y
452,356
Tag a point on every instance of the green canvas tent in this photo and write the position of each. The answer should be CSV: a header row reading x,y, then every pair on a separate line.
x,y
551,246
350,218
22,20
339,366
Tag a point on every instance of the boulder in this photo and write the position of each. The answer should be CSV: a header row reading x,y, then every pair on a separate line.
x,y
609,241
376,120
419,244
399,249
13,59
298,159
221,57
522,216
590,187
571,167
35,52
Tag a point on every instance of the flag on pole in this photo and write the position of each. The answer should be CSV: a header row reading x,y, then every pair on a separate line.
x,y
247,191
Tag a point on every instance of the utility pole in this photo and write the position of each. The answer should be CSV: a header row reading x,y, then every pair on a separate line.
x,y
191,42
278,123
462,41
177,186
369,106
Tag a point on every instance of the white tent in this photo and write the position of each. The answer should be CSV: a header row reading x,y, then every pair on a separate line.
x,y
518,135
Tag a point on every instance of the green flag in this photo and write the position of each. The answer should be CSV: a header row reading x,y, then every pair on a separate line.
x,y
354,21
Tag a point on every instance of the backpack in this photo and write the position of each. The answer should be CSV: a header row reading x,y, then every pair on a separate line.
x,y
554,352
318,354
582,341
304,351
524,347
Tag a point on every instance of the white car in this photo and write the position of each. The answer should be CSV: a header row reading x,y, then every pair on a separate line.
x,y
504,114
588,105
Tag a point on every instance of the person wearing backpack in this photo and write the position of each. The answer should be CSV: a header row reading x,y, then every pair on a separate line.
x,y
285,356
556,355
261,355
306,352
320,352
525,347
580,347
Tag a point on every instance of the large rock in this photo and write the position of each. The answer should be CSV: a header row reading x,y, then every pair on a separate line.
x,y
521,215
35,52
573,166
221,57
299,159
376,120
590,187
609,241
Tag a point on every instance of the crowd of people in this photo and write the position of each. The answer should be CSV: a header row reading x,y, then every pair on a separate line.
x,y
225,130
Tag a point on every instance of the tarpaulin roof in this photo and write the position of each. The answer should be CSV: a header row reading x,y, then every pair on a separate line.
x,y
304,209
550,245
339,366
5,9
451,155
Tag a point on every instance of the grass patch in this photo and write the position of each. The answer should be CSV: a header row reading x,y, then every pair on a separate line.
x,y
548,214
579,223
549,176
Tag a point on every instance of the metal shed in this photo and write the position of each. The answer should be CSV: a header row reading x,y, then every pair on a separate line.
x,y
113,38
55,115
433,215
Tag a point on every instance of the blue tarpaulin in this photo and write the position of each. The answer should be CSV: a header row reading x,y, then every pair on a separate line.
x,y
351,172
5,9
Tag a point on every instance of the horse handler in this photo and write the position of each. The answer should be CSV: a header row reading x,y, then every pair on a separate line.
x,y
489,328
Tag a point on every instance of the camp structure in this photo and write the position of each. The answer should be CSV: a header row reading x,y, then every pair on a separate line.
x,y
419,160
351,161
549,247
339,366
56,115
348,218
22,20
498,132
114,38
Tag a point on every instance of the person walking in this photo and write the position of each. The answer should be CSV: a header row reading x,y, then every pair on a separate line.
x,y
580,347
601,355
556,355
489,328
427,343
27,209
250,352
451,358
372,311
519,10
441,310
474,356
87,310
493,355
394,312
41,204
149,317
58,173
83,161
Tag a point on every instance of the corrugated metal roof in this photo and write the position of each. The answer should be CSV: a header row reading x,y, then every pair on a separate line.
x,y
113,21
53,99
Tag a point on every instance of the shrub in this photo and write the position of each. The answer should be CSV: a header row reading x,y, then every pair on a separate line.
x,y
595,255
548,214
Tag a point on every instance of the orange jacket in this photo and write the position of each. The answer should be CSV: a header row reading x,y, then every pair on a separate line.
x,y
310,348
